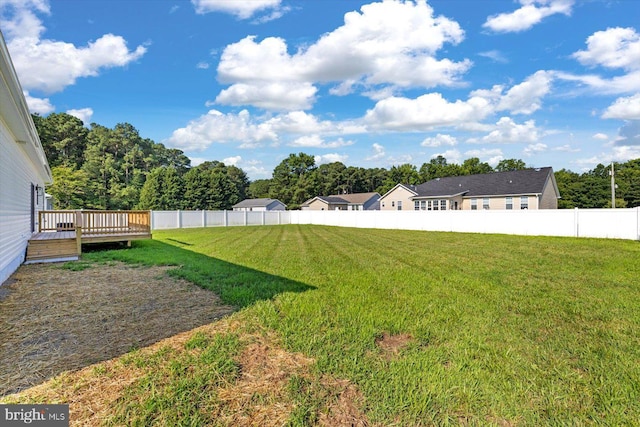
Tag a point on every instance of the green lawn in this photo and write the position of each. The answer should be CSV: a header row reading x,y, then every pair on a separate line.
x,y
500,329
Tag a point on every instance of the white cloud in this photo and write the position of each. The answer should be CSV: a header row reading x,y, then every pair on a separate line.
x,y
629,134
270,96
628,83
452,156
600,136
612,48
425,112
216,127
242,9
202,65
83,114
507,131
378,152
316,141
331,158
531,13
64,62
388,44
439,140
38,105
617,154
532,149
624,108
495,55
566,148
232,161
525,98
493,156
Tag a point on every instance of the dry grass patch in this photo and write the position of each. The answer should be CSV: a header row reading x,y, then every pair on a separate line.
x,y
55,319
391,345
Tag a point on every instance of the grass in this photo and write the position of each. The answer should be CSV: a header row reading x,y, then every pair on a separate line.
x,y
501,330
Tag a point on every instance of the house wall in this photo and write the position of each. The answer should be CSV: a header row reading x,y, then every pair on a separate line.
x,y
17,173
500,203
549,198
389,202
317,205
275,206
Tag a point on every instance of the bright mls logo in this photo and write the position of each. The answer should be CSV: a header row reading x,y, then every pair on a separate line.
x,y
38,415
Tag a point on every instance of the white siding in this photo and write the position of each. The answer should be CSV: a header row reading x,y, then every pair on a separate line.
x,y
17,173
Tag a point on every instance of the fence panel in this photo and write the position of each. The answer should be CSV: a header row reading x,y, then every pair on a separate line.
x,y
599,223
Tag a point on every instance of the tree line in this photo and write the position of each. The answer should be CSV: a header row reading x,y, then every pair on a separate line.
x,y
103,168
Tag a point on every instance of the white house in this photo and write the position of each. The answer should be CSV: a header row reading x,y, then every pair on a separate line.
x,y
24,170
260,205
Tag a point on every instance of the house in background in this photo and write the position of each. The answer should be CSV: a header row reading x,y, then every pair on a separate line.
x,y
24,170
343,202
522,189
259,205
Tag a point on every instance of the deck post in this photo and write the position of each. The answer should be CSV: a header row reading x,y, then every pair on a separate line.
x,y
78,222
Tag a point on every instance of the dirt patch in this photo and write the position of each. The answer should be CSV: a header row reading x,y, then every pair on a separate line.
x,y
391,345
55,319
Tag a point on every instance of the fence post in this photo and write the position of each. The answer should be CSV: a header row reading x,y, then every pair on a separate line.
x,y
151,221
204,217
226,219
638,223
263,214
78,221
245,217
576,222
179,219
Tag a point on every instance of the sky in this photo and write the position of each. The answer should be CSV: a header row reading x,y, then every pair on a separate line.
x,y
367,83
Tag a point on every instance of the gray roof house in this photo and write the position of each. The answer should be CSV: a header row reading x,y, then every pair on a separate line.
x,y
260,205
355,202
522,189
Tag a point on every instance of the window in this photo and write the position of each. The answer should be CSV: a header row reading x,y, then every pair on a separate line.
x,y
485,203
399,205
416,205
443,205
524,202
429,207
509,203
423,205
474,204
435,205
383,204
393,204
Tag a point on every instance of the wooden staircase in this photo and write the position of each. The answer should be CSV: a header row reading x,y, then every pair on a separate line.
x,y
52,247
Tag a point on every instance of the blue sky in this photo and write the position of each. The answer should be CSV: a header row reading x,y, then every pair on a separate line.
x,y
371,84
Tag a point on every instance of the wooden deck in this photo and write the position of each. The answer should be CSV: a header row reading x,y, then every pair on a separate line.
x,y
61,234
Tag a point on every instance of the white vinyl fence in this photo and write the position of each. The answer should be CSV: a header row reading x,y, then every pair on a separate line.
x,y
598,223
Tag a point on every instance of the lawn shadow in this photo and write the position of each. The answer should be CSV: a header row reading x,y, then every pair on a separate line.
x,y
57,318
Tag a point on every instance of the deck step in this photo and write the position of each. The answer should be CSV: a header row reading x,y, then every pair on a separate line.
x,y
52,248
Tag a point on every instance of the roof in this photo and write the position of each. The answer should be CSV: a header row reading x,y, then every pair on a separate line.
x,y
256,203
527,181
344,199
16,115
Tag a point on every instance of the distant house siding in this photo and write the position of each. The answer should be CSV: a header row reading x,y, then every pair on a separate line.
x,y
318,205
276,206
390,201
549,198
17,175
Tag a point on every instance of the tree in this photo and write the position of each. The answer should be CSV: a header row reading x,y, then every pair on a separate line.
x,y
474,166
68,188
259,189
403,174
438,167
290,183
63,138
506,165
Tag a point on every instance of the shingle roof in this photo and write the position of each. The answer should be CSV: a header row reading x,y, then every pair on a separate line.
x,y
528,181
344,199
255,203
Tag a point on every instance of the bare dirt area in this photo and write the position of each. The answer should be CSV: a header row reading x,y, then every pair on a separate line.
x,y
54,319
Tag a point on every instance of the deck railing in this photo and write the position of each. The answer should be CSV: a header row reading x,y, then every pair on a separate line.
x,y
95,222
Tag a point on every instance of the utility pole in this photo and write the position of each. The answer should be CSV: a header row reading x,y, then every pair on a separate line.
x,y
613,187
